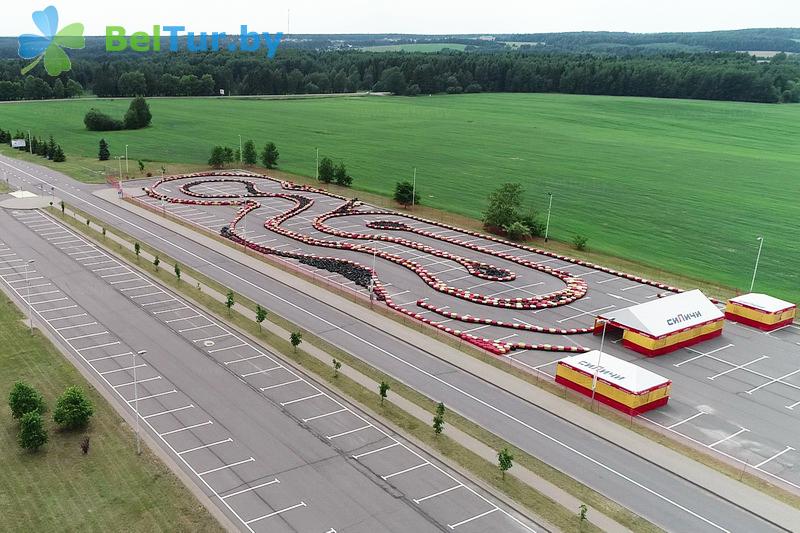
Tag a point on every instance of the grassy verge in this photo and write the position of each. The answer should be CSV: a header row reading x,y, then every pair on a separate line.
x,y
58,488
728,468
527,496
4,187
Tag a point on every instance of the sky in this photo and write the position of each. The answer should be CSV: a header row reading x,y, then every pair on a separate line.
x,y
408,16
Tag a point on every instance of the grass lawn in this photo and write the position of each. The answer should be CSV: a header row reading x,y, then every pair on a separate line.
x,y
681,185
58,488
414,47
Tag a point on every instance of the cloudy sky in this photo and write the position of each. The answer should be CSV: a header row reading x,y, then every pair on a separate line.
x,y
410,16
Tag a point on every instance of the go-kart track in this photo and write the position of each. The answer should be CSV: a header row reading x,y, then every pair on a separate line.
x,y
737,395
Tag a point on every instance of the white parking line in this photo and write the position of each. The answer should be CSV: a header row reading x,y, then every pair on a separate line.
x,y
435,494
70,339
333,413
290,402
737,367
490,511
250,460
184,318
720,441
685,420
137,381
228,348
121,369
143,398
765,461
702,354
301,504
185,428
331,437
406,470
281,384
593,311
248,489
775,380
97,346
190,406
264,371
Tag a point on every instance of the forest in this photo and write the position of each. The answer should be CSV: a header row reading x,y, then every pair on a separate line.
x,y
728,76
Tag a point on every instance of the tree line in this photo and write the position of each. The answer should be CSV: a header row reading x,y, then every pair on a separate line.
x,y
712,76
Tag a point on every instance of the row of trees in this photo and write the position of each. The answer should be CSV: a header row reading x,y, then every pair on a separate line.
x,y
716,76
225,155
73,411
45,148
138,116
33,88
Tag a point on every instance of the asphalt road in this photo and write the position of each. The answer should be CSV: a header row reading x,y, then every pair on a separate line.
x,y
274,450
645,488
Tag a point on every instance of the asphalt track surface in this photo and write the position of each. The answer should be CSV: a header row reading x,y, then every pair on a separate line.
x,y
737,395
274,450
667,500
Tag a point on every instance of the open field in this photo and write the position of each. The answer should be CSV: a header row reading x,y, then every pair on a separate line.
x,y
58,489
682,185
416,47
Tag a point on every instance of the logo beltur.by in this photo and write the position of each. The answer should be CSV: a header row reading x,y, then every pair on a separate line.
x,y
51,43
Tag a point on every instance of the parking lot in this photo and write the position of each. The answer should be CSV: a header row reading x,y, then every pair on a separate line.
x,y
261,492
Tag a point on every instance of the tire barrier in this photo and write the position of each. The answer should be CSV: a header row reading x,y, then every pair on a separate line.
x,y
367,278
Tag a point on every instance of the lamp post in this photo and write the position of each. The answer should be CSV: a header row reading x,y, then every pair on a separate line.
x,y
28,283
30,144
119,159
241,156
136,401
758,257
547,225
414,188
127,171
599,355
317,164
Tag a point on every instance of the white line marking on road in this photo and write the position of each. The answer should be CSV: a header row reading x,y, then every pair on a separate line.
x,y
228,348
281,384
301,504
720,441
205,446
290,402
774,380
190,406
75,326
274,481
737,367
331,437
435,494
121,369
185,428
70,339
329,414
108,357
137,381
702,354
490,511
759,465
143,398
685,420
184,318
97,346
250,460
264,371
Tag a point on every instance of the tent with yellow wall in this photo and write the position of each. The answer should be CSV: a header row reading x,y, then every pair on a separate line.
x,y
620,384
760,311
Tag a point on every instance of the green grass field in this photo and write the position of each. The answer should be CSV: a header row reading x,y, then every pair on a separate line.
x,y
686,186
58,488
414,47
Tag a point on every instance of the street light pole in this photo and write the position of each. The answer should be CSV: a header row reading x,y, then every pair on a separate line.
x,y
119,159
30,144
599,355
241,156
136,400
28,283
414,188
127,171
317,164
758,257
547,225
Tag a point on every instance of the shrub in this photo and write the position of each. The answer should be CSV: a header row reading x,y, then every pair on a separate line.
x,y
25,399
517,231
138,115
98,121
535,226
580,242
73,409
32,434
326,170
